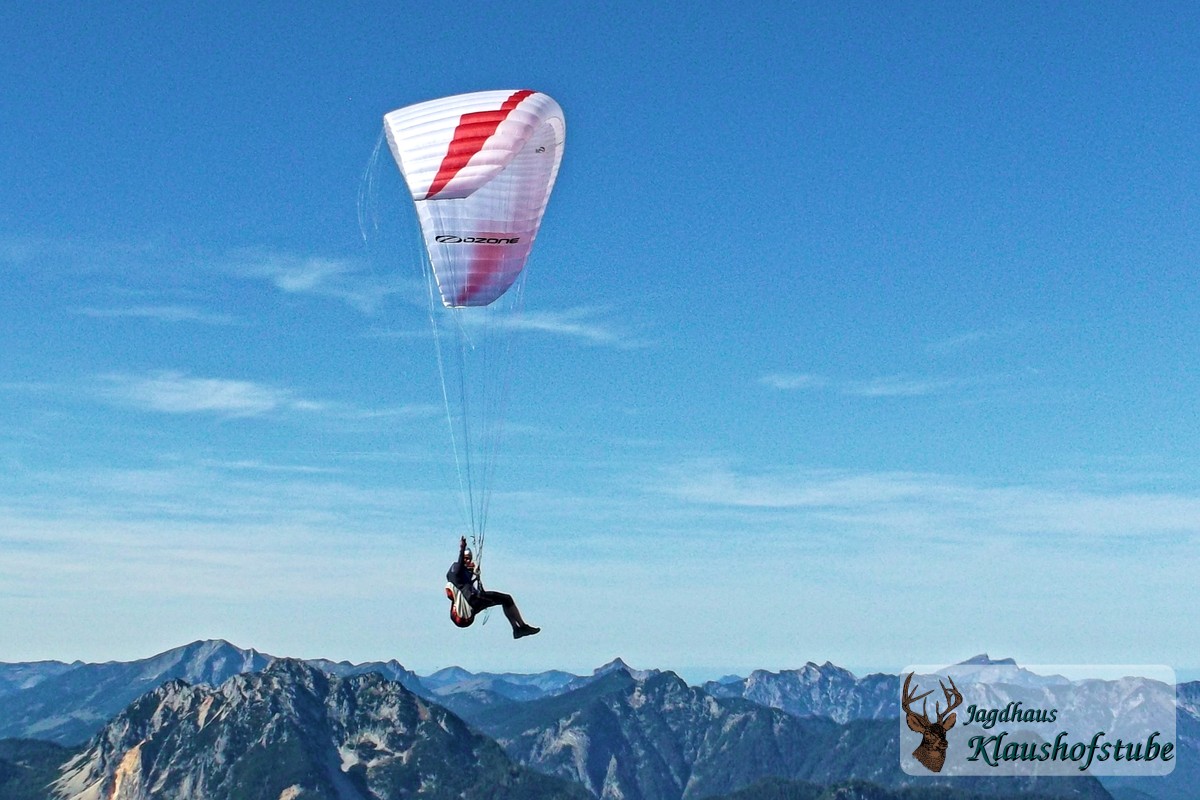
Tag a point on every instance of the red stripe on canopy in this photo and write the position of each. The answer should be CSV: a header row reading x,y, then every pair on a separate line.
x,y
473,130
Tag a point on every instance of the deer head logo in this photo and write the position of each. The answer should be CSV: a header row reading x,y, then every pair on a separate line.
x,y
932,750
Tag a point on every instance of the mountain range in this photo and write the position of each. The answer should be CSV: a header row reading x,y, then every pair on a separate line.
x,y
294,731
210,720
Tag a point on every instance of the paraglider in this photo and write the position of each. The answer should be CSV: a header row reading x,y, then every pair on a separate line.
x,y
480,168
467,595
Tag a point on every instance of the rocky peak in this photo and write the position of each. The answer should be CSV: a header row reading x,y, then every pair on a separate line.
x,y
983,660
290,728
619,665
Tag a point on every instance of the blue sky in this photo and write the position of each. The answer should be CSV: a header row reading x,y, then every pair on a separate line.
x,y
855,332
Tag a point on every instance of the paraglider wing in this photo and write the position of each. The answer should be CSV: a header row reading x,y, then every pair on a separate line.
x,y
480,168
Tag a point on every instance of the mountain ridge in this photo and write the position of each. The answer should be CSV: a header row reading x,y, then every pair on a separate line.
x,y
293,730
817,723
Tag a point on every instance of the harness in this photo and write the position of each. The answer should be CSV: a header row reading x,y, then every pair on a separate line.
x,y
461,613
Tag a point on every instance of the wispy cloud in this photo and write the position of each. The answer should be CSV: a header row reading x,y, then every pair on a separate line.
x,y
354,282
24,251
896,386
312,275
952,344
348,280
342,279
900,502
19,251
886,386
590,325
252,466
788,381
584,323
223,540
177,393
163,313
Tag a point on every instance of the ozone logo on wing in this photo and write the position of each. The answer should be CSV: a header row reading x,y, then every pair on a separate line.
x,y
449,239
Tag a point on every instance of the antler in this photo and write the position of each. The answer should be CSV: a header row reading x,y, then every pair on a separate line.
x,y
910,698
954,699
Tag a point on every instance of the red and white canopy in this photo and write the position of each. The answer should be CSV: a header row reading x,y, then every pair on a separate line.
x,y
480,167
